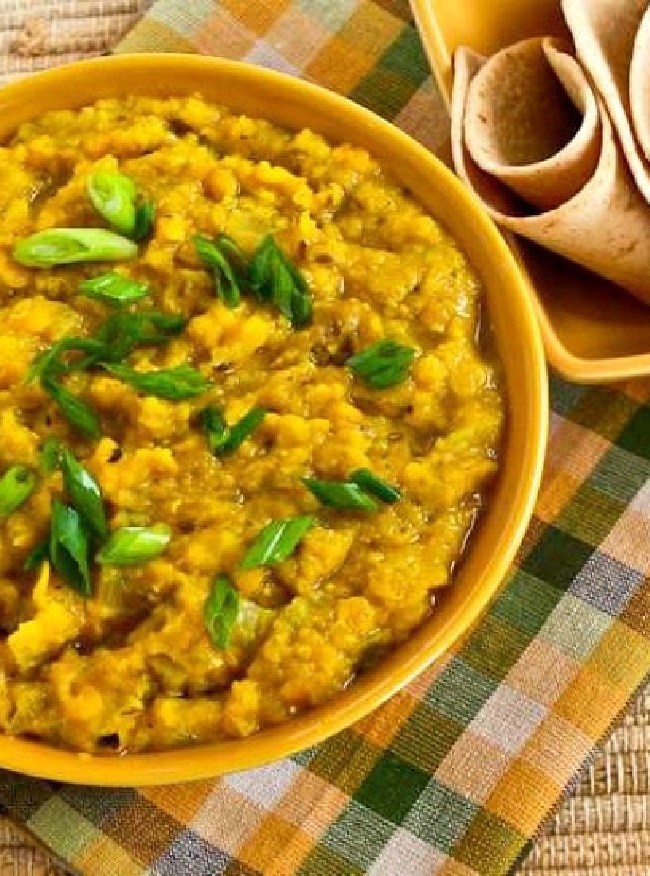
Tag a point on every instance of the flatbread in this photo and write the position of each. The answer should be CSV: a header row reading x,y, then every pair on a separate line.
x,y
602,223
604,33
640,85
540,134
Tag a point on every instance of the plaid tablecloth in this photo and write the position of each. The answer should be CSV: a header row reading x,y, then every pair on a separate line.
x,y
456,773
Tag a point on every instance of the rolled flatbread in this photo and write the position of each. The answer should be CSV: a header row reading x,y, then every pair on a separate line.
x,y
640,86
540,153
606,34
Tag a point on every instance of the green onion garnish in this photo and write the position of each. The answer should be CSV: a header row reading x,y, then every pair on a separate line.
x,y
84,494
235,255
122,332
374,485
77,412
145,218
277,541
37,556
273,277
69,548
344,495
115,339
224,275
50,454
215,427
224,439
67,246
50,363
133,545
243,428
16,486
113,197
220,610
383,364
174,384
113,288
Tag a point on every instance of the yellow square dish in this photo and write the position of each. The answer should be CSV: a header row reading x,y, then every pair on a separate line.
x,y
593,331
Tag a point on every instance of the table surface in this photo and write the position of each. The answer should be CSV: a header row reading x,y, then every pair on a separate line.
x,y
602,827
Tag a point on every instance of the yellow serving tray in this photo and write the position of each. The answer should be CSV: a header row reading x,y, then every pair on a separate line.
x,y
593,331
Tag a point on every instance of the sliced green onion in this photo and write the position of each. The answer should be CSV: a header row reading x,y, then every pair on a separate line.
x,y
113,197
46,362
145,219
113,341
84,494
67,246
343,495
243,429
374,485
220,610
273,277
215,427
69,548
16,486
224,439
133,545
37,556
235,255
383,364
260,268
301,310
50,363
277,541
122,332
225,281
113,288
77,412
51,454
174,384
116,338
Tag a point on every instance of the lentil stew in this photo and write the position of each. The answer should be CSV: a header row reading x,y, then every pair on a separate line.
x,y
246,425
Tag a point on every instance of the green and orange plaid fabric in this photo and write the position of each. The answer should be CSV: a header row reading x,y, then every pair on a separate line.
x,y
456,773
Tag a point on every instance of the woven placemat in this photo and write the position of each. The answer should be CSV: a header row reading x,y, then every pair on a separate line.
x,y
602,828
19,857
35,34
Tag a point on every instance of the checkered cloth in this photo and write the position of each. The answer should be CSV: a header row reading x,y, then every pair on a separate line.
x,y
455,774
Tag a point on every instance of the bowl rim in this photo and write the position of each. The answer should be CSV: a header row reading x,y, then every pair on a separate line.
x,y
213,759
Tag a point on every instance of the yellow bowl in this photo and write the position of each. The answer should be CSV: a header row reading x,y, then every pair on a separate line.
x,y
295,104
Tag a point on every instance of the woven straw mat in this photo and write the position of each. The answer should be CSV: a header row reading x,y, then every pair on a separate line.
x,y
602,828
35,34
